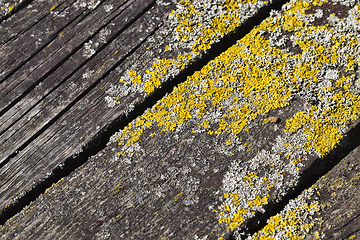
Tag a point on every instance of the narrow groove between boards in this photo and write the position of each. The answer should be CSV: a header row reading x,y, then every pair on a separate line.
x,y
3,163
70,163
23,30
55,35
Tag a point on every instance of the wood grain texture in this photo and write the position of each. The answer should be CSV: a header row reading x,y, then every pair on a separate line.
x,y
62,86
36,71
21,49
25,18
213,156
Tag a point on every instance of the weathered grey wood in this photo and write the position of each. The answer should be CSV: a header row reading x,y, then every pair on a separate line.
x,y
48,60
69,134
66,82
168,182
64,95
16,52
27,17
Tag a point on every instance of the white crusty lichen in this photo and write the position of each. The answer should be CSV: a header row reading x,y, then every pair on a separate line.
x,y
323,75
92,4
104,34
89,49
108,7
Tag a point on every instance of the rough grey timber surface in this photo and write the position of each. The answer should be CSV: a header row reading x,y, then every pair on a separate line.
x,y
18,50
64,81
222,148
25,18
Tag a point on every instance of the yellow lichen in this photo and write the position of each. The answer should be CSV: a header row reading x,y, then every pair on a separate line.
x,y
178,196
289,223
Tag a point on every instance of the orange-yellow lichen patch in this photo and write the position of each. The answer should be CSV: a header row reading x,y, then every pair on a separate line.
x,y
331,108
261,93
53,7
7,7
250,177
134,77
238,218
178,196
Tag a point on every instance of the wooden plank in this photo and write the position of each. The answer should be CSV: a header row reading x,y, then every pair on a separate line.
x,y
19,50
65,81
27,16
208,157
66,95
327,210
40,71
69,135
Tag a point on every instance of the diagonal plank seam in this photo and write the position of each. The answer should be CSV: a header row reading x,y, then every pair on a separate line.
x,y
53,69
69,164
38,50
24,30
44,45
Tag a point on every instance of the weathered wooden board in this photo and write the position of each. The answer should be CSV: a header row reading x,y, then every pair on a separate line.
x,y
327,210
58,61
54,137
21,49
70,40
225,146
57,78
27,15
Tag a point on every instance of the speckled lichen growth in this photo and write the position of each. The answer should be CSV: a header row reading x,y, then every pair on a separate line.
x,y
327,210
198,25
295,221
323,75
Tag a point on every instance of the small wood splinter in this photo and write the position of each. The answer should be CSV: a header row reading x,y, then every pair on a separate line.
x,y
274,119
